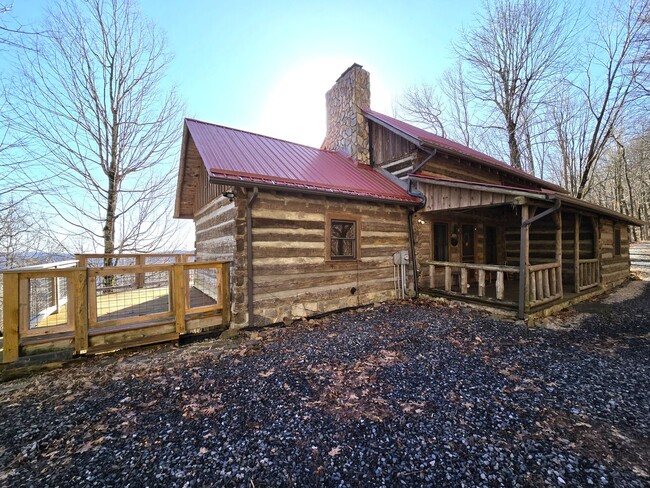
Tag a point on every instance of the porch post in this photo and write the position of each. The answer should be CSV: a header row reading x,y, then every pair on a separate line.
x,y
557,216
576,254
524,299
595,223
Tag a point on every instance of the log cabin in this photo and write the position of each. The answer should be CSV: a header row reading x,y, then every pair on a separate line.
x,y
385,210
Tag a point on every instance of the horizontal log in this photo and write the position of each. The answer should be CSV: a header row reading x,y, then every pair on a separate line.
x,y
276,284
320,294
552,298
540,267
138,341
260,212
270,268
486,267
273,233
384,226
281,223
289,252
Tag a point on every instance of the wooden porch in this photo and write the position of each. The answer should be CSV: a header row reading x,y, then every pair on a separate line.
x,y
103,302
499,288
510,248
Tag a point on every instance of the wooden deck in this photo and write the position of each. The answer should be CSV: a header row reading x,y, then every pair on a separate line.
x,y
90,309
130,303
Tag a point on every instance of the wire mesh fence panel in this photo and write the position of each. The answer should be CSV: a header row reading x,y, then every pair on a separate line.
x,y
41,296
155,279
62,284
123,295
47,300
102,262
159,259
203,286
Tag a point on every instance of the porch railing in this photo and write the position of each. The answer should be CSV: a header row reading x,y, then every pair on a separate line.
x,y
461,276
545,283
588,274
544,280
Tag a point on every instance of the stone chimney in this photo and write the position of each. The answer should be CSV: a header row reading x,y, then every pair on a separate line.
x,y
347,128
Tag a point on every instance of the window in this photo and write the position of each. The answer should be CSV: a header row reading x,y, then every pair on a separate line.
x,y
343,239
440,247
617,241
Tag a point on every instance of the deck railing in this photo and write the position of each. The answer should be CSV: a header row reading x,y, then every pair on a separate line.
x,y
588,274
47,294
457,272
544,283
113,307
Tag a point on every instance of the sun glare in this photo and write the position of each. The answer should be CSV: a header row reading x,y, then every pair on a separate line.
x,y
295,107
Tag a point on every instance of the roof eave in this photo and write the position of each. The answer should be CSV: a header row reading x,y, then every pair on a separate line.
x,y
310,191
468,185
498,167
181,174
385,124
592,207
420,143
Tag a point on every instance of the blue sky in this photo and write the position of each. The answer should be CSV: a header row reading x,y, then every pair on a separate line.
x,y
265,66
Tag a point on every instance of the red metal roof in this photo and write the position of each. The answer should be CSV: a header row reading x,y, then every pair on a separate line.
x,y
448,145
239,156
543,191
549,194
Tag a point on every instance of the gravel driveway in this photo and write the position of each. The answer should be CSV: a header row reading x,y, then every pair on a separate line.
x,y
404,394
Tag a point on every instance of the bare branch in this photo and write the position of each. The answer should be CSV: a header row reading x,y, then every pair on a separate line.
x,y
91,98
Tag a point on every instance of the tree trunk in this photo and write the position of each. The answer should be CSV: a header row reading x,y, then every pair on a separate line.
x,y
515,153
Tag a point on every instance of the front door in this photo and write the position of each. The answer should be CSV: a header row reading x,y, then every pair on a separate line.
x,y
467,244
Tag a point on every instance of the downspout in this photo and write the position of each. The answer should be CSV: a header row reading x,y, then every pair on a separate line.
x,y
522,248
414,263
419,206
249,254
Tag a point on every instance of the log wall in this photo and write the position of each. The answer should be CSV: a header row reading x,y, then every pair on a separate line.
x,y
292,277
542,243
423,231
388,146
613,269
447,166
215,231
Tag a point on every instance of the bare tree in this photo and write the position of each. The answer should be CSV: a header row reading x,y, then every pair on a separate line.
x,y
641,60
12,32
14,180
421,105
91,98
621,181
444,108
455,88
611,73
513,58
